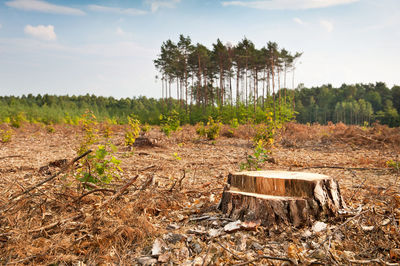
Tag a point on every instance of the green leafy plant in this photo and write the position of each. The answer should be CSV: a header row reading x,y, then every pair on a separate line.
x,y
234,123
211,130
200,129
170,122
100,167
7,120
255,161
133,131
176,156
107,129
88,121
266,131
5,136
17,120
50,129
393,164
145,128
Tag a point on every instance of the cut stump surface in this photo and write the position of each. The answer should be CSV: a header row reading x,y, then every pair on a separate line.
x,y
276,197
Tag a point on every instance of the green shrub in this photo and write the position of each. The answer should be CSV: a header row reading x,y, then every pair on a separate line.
x,y
234,123
145,128
50,129
17,120
133,131
7,120
200,129
211,130
265,131
393,164
255,161
170,122
5,135
100,167
107,130
88,121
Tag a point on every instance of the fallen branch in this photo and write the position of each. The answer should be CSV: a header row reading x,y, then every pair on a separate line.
x,y
205,256
365,261
49,226
268,258
359,188
146,168
11,156
178,181
66,167
94,191
347,168
147,183
226,249
122,190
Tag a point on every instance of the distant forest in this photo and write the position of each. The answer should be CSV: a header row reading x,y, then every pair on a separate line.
x,y
225,82
350,104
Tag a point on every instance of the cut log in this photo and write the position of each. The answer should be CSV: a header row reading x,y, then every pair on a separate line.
x,y
276,197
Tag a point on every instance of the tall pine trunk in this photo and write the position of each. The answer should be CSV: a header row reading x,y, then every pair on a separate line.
x,y
237,86
230,87
263,91
273,89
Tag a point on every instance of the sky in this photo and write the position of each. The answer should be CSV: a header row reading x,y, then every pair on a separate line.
x,y
107,48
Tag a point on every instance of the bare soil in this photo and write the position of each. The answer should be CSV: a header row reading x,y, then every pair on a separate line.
x,y
180,181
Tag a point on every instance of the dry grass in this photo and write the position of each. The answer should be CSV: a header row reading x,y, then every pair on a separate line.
x,y
377,136
54,224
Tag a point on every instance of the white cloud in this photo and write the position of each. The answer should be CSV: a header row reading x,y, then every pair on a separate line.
x,y
327,25
288,4
157,4
41,32
42,6
120,32
117,10
299,21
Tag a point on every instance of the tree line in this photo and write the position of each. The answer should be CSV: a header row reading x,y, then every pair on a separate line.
x,y
350,104
226,74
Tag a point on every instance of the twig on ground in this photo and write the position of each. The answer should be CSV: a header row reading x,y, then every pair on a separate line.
x,y
178,181
93,191
11,156
226,249
66,167
146,168
346,168
147,183
54,224
205,256
122,190
359,188
268,258
369,262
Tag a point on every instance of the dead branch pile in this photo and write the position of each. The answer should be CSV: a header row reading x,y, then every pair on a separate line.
x,y
377,136
55,223
167,215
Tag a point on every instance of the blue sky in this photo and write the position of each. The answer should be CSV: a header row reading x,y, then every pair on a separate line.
x,y
108,47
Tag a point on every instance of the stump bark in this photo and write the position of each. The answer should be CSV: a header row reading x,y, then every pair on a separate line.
x,y
276,197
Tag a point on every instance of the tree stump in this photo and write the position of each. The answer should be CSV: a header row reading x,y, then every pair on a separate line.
x,y
276,197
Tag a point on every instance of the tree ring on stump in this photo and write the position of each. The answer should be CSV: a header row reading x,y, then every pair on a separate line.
x,y
276,197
